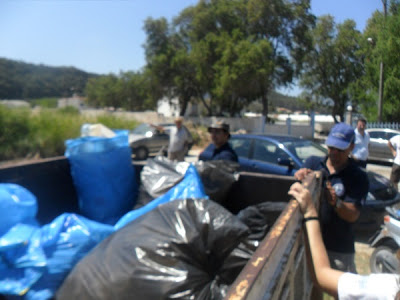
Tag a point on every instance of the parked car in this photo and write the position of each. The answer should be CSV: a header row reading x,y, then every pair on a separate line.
x,y
146,140
378,148
284,155
149,140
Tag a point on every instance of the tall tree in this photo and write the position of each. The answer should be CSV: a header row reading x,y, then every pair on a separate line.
x,y
169,62
333,64
381,45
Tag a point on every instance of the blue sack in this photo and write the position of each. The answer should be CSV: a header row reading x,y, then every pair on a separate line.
x,y
22,260
103,176
19,204
37,260
190,187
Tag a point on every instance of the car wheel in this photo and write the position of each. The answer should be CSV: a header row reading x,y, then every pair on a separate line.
x,y
141,153
384,260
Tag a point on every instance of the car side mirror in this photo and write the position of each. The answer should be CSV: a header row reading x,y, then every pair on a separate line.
x,y
286,162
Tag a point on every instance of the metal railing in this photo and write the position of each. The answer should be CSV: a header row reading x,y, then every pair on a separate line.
x,y
384,125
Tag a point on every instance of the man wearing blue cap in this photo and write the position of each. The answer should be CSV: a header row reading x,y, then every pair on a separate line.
x,y
348,186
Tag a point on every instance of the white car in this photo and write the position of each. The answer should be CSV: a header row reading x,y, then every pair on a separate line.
x,y
378,147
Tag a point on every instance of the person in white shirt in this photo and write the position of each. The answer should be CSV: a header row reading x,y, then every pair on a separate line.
x,y
179,140
342,285
394,146
360,152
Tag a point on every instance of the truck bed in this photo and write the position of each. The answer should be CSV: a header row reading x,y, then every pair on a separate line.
x,y
277,270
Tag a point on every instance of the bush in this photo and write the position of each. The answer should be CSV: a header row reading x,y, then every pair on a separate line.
x,y
24,134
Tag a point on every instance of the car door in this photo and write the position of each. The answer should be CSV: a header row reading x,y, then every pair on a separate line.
x,y
378,148
265,158
242,146
157,141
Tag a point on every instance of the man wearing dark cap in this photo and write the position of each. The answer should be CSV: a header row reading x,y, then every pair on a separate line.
x,y
220,148
348,187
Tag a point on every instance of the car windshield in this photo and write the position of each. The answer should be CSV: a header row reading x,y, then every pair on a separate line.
x,y
143,129
305,149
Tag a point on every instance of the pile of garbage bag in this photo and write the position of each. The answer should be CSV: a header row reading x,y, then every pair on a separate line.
x,y
167,237
179,250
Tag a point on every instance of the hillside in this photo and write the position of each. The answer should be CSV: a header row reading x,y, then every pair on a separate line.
x,y
20,80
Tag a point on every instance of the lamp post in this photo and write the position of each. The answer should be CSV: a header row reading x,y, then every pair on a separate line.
x,y
380,92
381,69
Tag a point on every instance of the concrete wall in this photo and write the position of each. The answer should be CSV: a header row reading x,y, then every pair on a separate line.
x,y
244,124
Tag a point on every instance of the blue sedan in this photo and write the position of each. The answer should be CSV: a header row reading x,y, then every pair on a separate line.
x,y
281,155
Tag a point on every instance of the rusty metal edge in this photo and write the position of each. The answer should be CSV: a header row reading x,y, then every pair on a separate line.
x,y
243,284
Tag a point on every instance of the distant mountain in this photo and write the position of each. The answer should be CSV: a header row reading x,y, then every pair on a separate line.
x,y
20,80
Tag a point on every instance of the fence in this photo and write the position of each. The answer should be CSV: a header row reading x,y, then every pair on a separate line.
x,y
384,125
290,126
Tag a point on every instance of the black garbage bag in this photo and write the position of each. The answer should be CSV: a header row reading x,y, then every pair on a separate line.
x,y
259,219
217,176
183,249
160,174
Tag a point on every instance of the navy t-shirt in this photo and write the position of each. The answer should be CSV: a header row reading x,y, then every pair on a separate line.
x,y
351,185
225,152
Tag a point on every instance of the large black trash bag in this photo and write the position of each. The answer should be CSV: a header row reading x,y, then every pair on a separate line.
x,y
218,176
179,250
259,218
160,174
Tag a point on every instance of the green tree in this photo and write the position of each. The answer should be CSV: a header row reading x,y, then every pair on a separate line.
x,y
333,64
381,43
169,62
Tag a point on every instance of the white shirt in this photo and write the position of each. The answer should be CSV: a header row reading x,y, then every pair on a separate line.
x,y
178,139
395,141
370,287
361,143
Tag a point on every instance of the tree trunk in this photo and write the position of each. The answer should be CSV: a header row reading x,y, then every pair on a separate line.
x,y
208,107
184,104
264,101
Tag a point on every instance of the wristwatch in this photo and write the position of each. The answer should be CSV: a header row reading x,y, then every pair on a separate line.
x,y
338,203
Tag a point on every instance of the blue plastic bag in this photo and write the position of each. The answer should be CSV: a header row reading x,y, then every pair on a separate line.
x,y
190,187
22,260
103,176
17,204
35,261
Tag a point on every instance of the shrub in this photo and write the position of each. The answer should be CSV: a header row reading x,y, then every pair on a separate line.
x,y
24,134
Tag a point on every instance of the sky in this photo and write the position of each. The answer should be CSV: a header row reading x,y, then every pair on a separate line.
x,y
107,36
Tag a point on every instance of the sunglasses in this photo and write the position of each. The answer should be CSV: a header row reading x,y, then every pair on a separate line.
x,y
336,149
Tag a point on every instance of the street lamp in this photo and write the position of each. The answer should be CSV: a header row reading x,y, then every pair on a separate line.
x,y
380,99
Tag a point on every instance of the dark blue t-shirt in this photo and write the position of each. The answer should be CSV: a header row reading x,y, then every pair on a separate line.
x,y
225,152
351,185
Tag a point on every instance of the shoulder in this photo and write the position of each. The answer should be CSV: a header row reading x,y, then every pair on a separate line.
x,y
356,172
395,138
228,153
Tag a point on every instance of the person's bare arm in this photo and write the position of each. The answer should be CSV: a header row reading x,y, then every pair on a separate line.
x,y
327,278
392,149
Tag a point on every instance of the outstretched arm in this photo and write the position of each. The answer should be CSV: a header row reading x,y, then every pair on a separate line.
x,y
392,149
327,278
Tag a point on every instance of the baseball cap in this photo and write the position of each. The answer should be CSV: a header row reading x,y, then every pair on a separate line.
x,y
341,136
219,125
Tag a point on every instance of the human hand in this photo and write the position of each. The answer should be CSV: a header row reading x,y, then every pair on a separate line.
x,y
331,194
303,197
302,173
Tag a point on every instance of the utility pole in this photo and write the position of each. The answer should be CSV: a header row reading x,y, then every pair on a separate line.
x,y
381,70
